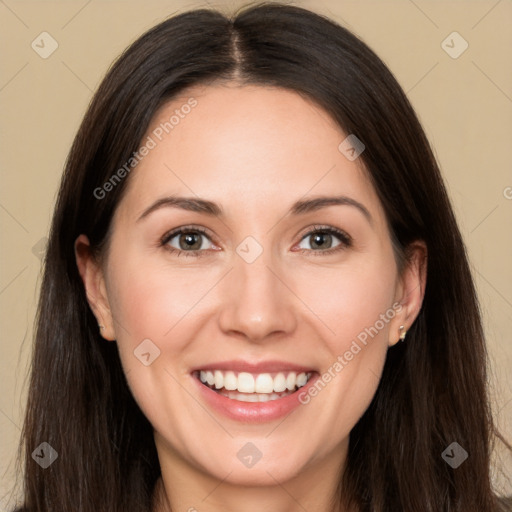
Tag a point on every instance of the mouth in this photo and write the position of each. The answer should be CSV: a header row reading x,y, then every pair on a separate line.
x,y
253,387
253,392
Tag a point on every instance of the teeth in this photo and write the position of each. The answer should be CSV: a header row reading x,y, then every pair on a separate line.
x,y
260,384
253,397
301,379
230,381
245,383
207,378
264,383
219,379
291,380
280,383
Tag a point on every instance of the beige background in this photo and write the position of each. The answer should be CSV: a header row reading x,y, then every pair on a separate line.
x,y
465,105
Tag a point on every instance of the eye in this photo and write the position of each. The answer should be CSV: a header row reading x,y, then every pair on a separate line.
x,y
186,240
189,241
325,239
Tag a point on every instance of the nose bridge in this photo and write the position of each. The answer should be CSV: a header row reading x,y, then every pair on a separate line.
x,y
257,303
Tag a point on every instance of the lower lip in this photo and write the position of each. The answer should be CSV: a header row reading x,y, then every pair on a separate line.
x,y
253,412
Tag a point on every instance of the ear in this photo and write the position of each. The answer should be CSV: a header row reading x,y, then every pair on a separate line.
x,y
410,289
94,283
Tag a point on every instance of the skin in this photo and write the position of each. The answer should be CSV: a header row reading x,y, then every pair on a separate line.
x,y
255,151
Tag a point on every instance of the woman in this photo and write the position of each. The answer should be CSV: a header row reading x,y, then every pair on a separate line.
x,y
255,292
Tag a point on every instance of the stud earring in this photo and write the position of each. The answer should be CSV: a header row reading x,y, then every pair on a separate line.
x,y
101,327
403,332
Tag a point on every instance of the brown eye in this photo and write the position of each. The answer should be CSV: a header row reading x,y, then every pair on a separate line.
x,y
186,240
325,240
190,241
321,240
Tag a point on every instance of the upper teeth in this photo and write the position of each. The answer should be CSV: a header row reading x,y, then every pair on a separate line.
x,y
248,383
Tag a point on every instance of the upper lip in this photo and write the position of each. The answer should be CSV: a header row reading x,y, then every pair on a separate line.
x,y
251,367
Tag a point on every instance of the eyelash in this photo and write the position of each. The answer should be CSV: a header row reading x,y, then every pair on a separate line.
x,y
344,238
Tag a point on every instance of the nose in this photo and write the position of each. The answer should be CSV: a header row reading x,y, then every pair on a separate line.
x,y
258,302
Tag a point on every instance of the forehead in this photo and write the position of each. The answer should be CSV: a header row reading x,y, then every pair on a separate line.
x,y
251,145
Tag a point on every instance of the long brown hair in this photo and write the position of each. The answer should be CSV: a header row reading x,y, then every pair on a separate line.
x,y
433,388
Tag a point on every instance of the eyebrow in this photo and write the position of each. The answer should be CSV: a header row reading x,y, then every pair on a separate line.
x,y
301,207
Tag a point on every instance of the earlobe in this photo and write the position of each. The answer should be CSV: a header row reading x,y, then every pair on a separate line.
x,y
410,291
94,283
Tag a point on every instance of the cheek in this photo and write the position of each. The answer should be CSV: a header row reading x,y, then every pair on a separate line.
x,y
351,299
355,306
138,308
147,302
149,299
160,303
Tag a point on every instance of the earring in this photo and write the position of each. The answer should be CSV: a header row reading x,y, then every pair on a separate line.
x,y
403,332
101,327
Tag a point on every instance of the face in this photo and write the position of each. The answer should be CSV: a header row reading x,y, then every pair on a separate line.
x,y
284,302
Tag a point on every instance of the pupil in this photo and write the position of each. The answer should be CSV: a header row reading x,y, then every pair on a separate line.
x,y
320,238
189,240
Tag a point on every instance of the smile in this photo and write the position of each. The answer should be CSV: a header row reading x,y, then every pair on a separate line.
x,y
251,392
249,387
